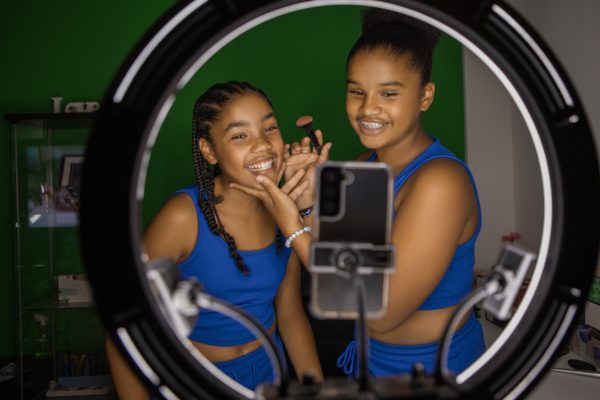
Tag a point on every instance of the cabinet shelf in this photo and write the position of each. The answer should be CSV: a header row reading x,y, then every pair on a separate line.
x,y
47,155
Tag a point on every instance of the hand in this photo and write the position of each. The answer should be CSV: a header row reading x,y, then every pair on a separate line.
x,y
300,156
279,202
297,156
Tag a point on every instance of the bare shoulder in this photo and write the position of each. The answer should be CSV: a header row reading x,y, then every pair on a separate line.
x,y
173,230
178,210
442,183
443,173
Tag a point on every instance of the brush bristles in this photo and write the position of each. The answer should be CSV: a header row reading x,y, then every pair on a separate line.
x,y
304,120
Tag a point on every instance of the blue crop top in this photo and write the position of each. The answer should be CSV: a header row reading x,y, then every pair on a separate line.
x,y
458,279
213,266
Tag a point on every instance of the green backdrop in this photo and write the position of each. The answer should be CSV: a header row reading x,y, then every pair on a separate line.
x,y
65,48
72,49
299,60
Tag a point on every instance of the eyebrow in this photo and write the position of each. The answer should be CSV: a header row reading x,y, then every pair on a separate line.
x,y
267,117
391,83
238,124
235,124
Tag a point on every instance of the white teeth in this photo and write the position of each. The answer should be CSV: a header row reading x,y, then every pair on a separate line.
x,y
260,166
372,125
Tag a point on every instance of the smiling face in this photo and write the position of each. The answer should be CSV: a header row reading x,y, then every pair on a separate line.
x,y
385,98
245,141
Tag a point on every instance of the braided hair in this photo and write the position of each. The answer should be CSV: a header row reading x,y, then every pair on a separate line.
x,y
207,110
399,36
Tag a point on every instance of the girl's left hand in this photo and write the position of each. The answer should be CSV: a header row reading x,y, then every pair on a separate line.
x,y
279,202
299,155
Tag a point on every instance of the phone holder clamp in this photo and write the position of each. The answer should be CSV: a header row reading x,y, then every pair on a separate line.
x,y
348,258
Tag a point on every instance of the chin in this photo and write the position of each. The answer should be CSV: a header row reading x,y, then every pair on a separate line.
x,y
267,174
371,142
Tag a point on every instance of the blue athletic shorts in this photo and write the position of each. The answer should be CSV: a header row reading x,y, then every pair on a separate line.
x,y
392,359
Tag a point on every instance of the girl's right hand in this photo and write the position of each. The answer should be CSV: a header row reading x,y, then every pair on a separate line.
x,y
279,202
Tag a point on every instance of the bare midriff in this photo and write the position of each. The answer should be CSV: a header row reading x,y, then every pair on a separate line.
x,y
226,353
422,327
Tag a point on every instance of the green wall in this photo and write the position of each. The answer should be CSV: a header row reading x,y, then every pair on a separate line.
x,y
299,60
61,48
72,49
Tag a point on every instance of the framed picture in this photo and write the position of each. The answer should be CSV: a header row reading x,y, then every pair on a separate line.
x,y
54,185
71,171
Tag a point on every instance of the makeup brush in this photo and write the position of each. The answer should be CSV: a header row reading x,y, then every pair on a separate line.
x,y
305,123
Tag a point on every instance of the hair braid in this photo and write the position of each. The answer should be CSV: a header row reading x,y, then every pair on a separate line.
x,y
206,112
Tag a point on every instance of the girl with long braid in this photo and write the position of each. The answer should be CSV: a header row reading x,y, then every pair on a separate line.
x,y
437,216
229,242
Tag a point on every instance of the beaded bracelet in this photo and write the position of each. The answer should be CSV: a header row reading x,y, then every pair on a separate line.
x,y
290,239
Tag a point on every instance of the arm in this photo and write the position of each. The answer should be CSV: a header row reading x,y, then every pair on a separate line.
x,y
127,384
173,230
282,202
171,233
437,208
293,324
279,202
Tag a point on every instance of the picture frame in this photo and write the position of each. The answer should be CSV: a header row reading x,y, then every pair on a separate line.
x,y
54,184
71,171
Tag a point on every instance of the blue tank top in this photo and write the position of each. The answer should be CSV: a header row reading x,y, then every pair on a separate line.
x,y
458,279
213,266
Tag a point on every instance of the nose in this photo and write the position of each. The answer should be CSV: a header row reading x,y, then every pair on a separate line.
x,y
370,105
261,143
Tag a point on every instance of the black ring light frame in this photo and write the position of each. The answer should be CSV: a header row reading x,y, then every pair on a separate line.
x,y
176,47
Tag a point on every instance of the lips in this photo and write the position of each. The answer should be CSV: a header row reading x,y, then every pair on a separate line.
x,y
261,166
371,127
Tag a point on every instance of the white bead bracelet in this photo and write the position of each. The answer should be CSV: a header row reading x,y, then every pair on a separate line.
x,y
290,239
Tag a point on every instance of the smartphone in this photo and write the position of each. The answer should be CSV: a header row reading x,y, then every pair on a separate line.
x,y
351,229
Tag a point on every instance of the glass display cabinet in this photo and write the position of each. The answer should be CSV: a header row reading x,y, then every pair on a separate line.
x,y
60,337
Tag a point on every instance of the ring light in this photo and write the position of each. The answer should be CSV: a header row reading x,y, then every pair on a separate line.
x,y
187,36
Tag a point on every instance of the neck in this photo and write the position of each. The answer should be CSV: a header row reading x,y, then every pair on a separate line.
x,y
399,154
235,201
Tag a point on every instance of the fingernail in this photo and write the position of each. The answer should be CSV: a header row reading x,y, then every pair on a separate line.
x,y
260,179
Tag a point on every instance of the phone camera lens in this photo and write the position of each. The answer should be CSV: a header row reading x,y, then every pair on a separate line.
x,y
331,176
330,192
